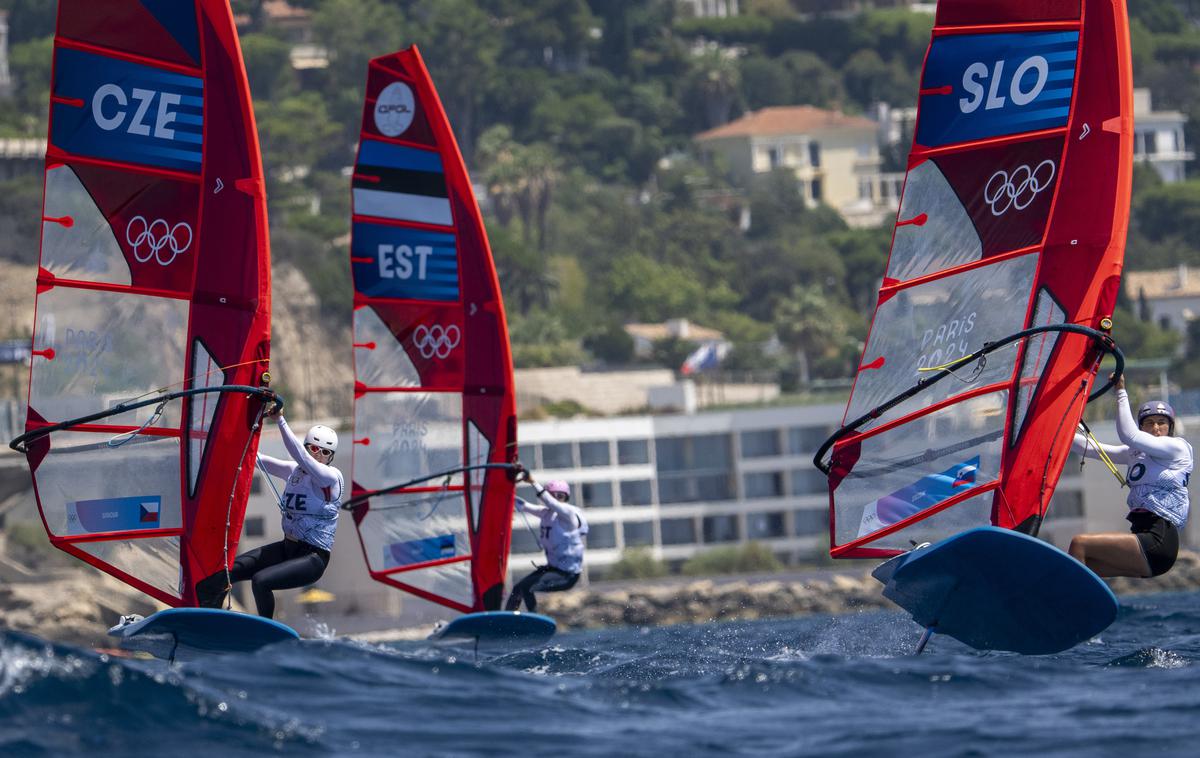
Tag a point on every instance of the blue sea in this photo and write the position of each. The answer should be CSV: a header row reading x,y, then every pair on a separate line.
x,y
827,686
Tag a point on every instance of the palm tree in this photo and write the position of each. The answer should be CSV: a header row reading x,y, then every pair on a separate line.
x,y
806,324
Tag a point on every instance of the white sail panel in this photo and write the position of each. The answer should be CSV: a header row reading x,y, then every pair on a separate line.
x,y
450,580
154,561
379,358
934,232
414,528
1038,350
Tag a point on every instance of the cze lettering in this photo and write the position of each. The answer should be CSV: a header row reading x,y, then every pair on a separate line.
x,y
946,343
113,109
984,85
294,502
396,261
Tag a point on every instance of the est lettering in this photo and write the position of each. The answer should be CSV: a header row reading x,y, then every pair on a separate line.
x,y
976,83
396,261
112,109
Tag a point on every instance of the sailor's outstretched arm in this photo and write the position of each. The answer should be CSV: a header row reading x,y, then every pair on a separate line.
x,y
322,474
1159,447
1081,445
276,467
531,508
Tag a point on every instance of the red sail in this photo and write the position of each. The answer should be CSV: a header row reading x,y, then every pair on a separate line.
x,y
155,273
434,382
1014,216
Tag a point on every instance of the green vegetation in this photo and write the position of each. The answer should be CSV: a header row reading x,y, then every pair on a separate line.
x,y
577,119
637,563
747,558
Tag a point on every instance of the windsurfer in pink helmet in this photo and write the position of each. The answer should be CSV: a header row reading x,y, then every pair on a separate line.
x,y
1159,465
561,534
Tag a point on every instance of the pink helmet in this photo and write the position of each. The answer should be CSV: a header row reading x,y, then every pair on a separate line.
x,y
558,486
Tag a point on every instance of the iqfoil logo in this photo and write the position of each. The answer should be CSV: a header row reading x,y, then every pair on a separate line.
x,y
394,109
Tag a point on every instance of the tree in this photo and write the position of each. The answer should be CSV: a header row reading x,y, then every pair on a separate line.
x,y
712,88
808,324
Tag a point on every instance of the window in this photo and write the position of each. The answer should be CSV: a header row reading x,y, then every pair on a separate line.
x,y
761,443
710,451
1151,143
527,455
864,189
766,484
811,521
714,487
631,452
764,525
804,440
256,485
1066,504
638,533
557,455
674,489
678,531
721,529
596,494
671,453
814,154
523,540
773,157
693,489
594,454
817,191
254,527
602,536
636,492
809,482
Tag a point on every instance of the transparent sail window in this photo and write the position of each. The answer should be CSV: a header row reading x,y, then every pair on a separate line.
x,y
933,324
915,466
480,448
410,529
154,560
945,238
379,358
77,240
970,513
108,348
451,581
401,436
87,486
1038,350
205,373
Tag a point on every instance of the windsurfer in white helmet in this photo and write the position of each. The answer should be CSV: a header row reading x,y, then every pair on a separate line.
x,y
561,534
310,504
1159,467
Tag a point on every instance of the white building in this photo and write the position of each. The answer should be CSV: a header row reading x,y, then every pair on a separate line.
x,y
708,8
1158,138
1172,296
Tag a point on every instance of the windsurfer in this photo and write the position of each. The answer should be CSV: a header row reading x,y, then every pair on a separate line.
x,y
561,534
310,506
1159,466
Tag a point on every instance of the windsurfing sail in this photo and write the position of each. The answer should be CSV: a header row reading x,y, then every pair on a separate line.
x,y
434,412
1004,270
152,322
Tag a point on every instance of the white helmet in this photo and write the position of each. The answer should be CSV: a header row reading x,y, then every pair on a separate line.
x,y
323,437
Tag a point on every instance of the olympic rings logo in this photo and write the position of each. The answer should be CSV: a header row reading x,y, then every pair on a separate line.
x,y
1018,189
150,239
437,340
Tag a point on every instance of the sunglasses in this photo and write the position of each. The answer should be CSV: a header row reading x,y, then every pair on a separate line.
x,y
561,496
316,450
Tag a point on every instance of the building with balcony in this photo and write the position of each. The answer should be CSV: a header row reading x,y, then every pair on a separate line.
x,y
1158,138
708,8
834,156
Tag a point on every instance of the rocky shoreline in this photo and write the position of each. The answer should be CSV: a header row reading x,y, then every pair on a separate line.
x,y
78,607
704,601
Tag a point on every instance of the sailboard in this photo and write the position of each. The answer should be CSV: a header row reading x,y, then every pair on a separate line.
x,y
496,628
188,633
996,304
434,409
152,324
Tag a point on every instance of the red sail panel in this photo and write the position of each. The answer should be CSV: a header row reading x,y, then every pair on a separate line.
x,y
1014,215
155,273
434,382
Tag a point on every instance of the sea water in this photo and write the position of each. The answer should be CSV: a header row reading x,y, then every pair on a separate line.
x,y
817,685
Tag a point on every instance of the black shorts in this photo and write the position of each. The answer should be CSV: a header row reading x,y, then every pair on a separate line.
x,y
1159,539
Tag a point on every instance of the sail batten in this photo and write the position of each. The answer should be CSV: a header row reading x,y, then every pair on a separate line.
x,y
998,277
